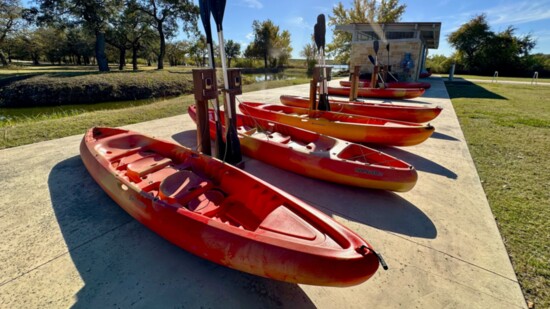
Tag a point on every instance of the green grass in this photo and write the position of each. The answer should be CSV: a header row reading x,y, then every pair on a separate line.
x,y
500,78
507,128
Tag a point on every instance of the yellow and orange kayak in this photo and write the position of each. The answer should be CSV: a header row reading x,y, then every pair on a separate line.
x,y
386,93
363,83
353,128
222,213
408,113
318,156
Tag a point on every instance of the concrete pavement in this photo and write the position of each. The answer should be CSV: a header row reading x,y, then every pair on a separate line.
x,y
65,243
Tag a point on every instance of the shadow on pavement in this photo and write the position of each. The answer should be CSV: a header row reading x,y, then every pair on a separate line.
x,y
446,137
123,264
420,163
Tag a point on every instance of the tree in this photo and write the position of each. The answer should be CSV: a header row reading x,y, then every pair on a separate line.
x,y
268,44
164,14
308,52
127,30
199,51
232,50
469,39
362,11
482,51
10,17
93,14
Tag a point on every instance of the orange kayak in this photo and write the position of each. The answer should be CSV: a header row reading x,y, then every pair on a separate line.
x,y
224,214
318,156
416,114
424,85
387,93
353,128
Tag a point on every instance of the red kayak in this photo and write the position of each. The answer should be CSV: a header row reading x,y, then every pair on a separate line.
x,y
416,114
318,156
223,214
353,128
364,83
387,93
425,74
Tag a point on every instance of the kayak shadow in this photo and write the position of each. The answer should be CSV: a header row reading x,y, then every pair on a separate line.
x,y
420,163
186,138
442,136
380,209
122,263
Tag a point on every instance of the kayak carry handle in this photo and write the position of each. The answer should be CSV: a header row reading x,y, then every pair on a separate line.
x,y
363,251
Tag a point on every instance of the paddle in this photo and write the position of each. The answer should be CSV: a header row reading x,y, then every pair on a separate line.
x,y
205,18
376,46
319,32
233,148
388,49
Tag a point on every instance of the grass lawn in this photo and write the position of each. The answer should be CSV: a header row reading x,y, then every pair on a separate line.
x,y
507,128
500,78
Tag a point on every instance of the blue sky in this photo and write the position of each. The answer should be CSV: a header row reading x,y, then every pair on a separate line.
x,y
299,16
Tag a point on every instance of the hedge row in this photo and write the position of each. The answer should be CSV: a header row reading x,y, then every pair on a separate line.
x,y
63,89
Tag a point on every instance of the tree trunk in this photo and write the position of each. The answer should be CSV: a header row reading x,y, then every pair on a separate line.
x,y
265,60
122,59
100,55
160,64
134,57
3,59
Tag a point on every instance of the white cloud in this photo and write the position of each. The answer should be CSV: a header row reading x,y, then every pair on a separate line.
x,y
255,4
519,13
299,22
250,36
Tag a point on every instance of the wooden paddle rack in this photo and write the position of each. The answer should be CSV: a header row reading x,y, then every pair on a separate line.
x,y
315,85
354,79
374,77
235,88
205,88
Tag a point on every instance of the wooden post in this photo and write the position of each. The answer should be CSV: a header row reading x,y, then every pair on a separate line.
x,y
205,88
354,83
374,77
313,89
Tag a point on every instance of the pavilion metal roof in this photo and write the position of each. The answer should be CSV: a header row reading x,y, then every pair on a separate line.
x,y
428,32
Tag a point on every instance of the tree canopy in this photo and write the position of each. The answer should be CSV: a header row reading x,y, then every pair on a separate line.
x,y
361,11
11,14
482,51
269,44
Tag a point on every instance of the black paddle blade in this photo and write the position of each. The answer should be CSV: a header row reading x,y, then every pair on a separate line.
x,y
388,47
205,18
317,36
322,29
217,7
376,46
324,104
371,58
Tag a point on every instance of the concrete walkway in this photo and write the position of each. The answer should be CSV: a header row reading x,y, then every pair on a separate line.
x,y
65,243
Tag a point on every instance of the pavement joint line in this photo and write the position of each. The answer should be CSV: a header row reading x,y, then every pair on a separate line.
x,y
416,243
461,284
65,253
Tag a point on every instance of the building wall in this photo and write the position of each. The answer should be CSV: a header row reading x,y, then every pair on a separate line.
x,y
361,50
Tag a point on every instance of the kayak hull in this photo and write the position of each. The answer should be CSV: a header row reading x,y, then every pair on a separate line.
x,y
223,214
415,114
353,128
366,84
385,93
318,156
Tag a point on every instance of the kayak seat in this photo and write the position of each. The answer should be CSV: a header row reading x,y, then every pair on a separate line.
x,y
182,187
275,137
146,165
207,203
